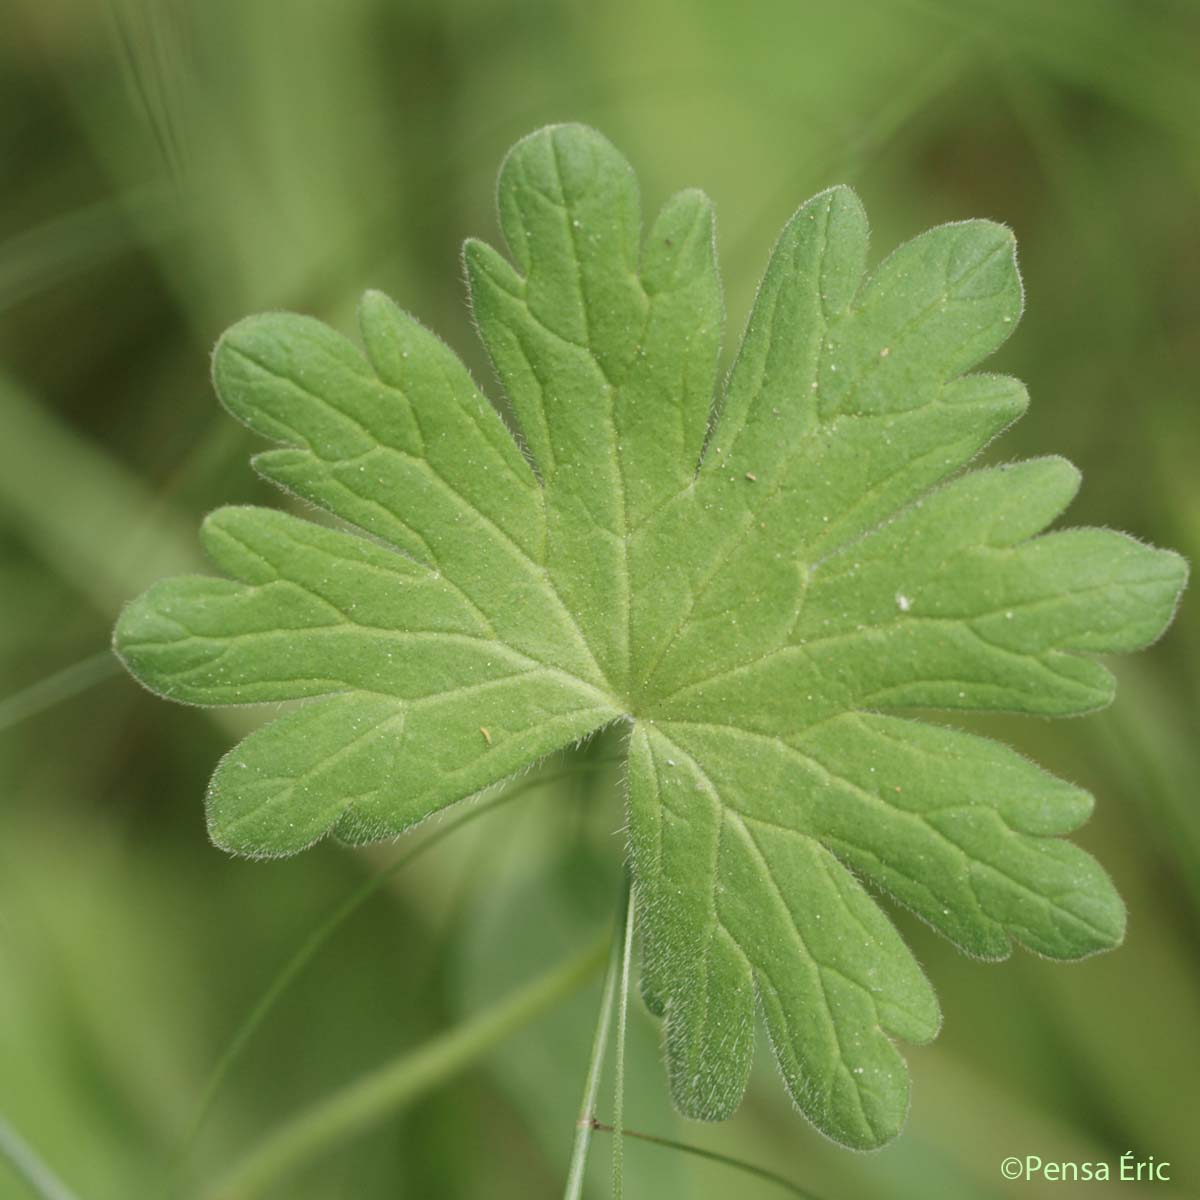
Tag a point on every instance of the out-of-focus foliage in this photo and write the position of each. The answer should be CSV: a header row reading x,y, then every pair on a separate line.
x,y
169,167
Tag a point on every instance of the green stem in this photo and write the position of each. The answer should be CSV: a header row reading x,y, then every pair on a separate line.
x,y
618,1145
24,1160
369,1099
591,1088
738,1164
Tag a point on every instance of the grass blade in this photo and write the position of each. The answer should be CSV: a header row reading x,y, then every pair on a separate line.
x,y
371,1098
308,950
24,1160
54,689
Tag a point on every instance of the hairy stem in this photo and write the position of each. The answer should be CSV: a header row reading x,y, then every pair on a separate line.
x,y
369,1099
618,1146
591,1087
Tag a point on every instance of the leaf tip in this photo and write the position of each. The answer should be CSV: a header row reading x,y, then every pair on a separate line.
x,y
141,626
1176,570
227,344
374,300
843,206
1170,578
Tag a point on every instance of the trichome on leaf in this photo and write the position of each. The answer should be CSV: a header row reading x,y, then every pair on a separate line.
x,y
757,579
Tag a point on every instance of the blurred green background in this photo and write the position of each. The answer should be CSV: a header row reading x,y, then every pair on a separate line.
x,y
169,167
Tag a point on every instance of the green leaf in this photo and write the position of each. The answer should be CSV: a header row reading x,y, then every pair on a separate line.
x,y
757,579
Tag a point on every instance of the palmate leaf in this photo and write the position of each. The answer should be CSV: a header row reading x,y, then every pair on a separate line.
x,y
758,586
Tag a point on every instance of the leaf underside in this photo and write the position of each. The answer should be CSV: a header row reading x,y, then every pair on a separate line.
x,y
759,579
